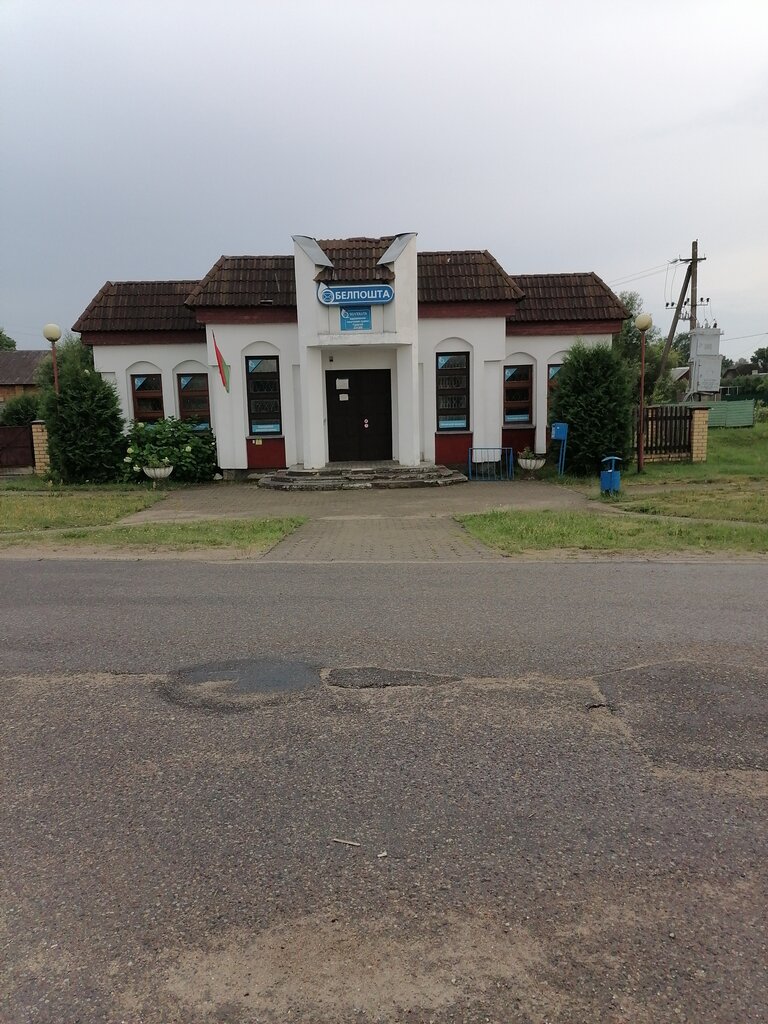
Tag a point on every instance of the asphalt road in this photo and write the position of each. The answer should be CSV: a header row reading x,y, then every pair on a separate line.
x,y
556,775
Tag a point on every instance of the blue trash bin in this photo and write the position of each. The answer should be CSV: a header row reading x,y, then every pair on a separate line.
x,y
610,476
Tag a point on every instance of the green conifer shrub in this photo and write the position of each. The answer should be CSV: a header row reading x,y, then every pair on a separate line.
x,y
594,397
19,411
85,427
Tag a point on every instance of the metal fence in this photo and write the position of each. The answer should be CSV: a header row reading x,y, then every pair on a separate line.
x,y
491,464
667,429
16,447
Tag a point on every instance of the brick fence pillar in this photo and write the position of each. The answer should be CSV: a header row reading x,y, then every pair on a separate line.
x,y
699,434
40,447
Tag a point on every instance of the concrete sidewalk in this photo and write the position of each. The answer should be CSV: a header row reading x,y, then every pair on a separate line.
x,y
245,501
385,526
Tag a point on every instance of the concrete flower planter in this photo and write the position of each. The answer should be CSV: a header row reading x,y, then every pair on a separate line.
x,y
530,465
158,472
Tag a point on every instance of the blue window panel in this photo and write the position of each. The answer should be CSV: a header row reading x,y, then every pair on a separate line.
x,y
452,422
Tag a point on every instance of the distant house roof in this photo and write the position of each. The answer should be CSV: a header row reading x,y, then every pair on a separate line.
x,y
246,281
679,372
18,368
139,306
549,297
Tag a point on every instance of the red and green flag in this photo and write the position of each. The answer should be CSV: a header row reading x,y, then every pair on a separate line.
x,y
224,368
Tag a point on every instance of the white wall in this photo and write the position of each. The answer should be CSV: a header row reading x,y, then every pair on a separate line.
x,y
118,362
483,338
402,344
230,411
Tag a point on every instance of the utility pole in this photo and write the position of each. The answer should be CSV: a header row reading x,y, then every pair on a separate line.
x,y
691,277
694,282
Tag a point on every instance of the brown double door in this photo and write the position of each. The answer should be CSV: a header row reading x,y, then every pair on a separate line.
x,y
359,415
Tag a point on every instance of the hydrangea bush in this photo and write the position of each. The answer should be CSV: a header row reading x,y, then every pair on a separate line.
x,y
171,442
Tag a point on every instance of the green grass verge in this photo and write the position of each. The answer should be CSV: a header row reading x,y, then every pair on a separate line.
x,y
517,532
741,499
238,534
732,453
56,509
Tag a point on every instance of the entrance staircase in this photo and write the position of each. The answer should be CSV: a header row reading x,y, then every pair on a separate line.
x,y
348,476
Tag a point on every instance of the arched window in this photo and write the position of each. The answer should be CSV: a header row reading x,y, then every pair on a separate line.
x,y
452,371
147,397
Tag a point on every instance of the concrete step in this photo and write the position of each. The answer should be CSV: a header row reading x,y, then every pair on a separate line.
x,y
343,478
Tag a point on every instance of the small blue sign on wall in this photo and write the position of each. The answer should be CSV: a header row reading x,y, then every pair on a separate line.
x,y
355,318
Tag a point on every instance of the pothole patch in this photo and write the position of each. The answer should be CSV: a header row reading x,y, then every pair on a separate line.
x,y
370,677
236,686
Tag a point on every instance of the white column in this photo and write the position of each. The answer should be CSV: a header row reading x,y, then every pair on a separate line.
x,y
541,382
313,408
489,417
408,406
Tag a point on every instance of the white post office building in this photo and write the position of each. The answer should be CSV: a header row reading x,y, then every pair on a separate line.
x,y
357,349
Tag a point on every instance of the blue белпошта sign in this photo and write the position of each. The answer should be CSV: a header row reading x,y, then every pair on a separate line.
x,y
355,318
355,294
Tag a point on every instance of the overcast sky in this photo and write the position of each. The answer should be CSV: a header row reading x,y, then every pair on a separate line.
x,y
141,140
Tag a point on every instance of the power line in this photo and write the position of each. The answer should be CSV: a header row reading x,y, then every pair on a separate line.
x,y
743,337
639,277
636,273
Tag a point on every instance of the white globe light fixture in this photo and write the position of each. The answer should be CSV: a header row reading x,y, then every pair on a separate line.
x,y
643,322
52,333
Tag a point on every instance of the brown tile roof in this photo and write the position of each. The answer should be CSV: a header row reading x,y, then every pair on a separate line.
x,y
355,260
566,297
139,306
468,276
19,367
247,281
464,276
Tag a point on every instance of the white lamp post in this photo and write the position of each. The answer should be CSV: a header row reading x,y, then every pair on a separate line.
x,y
52,333
643,323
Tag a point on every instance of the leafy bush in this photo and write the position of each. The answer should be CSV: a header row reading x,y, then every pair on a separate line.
x,y
171,442
753,386
594,396
19,411
85,428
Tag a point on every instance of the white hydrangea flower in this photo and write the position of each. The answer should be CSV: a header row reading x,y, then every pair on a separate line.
x,y
188,448
129,450
127,458
137,469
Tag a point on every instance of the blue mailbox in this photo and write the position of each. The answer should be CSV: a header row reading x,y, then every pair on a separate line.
x,y
610,475
560,433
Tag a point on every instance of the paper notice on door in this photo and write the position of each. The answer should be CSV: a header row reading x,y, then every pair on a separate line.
x,y
342,383
343,398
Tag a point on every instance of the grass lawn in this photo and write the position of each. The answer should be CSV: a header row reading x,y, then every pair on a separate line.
x,y
49,509
732,454
743,499
517,532
252,535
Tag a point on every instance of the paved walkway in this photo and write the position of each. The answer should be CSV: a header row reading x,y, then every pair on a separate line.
x,y
403,525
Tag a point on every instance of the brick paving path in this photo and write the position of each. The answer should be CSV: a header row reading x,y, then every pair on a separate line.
x,y
408,525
